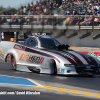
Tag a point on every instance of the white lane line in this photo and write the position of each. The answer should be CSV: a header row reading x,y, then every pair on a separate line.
x,y
34,82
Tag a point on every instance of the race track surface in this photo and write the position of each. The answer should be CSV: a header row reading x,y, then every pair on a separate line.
x,y
57,85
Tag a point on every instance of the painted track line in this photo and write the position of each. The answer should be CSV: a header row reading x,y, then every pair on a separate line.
x,y
4,79
70,91
34,82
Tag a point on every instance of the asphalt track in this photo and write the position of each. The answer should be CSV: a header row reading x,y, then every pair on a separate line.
x,y
55,86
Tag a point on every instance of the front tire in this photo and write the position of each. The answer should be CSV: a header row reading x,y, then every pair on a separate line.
x,y
90,75
53,67
13,63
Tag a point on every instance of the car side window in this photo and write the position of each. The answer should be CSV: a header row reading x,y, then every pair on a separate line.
x,y
27,41
32,42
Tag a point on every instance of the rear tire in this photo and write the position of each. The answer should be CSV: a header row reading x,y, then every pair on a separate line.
x,y
13,63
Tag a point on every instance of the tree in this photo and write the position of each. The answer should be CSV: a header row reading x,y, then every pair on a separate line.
x,y
2,8
12,11
7,11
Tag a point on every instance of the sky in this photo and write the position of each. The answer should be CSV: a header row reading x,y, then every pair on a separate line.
x,y
15,3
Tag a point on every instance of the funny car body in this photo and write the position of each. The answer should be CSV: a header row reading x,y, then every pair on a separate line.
x,y
44,54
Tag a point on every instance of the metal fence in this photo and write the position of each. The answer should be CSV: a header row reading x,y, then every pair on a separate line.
x,y
71,20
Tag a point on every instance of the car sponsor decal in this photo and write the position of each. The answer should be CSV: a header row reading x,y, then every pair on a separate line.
x,y
60,70
19,47
41,60
2,54
2,57
89,59
41,53
31,59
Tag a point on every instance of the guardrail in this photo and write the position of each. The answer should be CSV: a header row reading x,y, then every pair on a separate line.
x,y
47,19
53,20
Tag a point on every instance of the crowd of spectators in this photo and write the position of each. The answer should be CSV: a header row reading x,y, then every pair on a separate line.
x,y
67,7
62,7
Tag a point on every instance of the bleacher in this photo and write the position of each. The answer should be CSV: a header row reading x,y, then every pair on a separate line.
x,y
77,25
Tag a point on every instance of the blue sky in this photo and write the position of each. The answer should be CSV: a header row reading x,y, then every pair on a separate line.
x,y
15,3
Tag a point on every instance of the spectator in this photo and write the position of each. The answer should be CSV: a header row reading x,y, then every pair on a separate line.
x,y
21,11
37,8
61,7
78,2
55,11
84,23
97,20
89,10
79,11
95,11
24,10
97,7
84,5
28,7
87,21
80,20
67,13
21,7
32,5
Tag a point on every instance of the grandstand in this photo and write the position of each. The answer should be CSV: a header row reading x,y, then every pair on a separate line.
x,y
57,8
80,7
62,15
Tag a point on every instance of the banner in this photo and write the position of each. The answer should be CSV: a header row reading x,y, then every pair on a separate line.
x,y
94,54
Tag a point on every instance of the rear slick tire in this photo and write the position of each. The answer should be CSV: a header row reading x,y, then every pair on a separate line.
x,y
13,63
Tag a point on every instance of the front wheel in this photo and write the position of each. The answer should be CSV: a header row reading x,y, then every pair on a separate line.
x,y
90,75
13,63
53,67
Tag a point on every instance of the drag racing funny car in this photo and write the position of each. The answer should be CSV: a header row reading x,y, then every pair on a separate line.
x,y
44,54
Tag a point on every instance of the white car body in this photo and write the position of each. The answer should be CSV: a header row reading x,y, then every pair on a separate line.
x,y
44,60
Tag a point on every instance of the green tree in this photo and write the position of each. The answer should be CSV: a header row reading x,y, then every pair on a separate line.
x,y
2,8
7,10
13,10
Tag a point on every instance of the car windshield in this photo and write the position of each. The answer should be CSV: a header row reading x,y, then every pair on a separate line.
x,y
49,43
